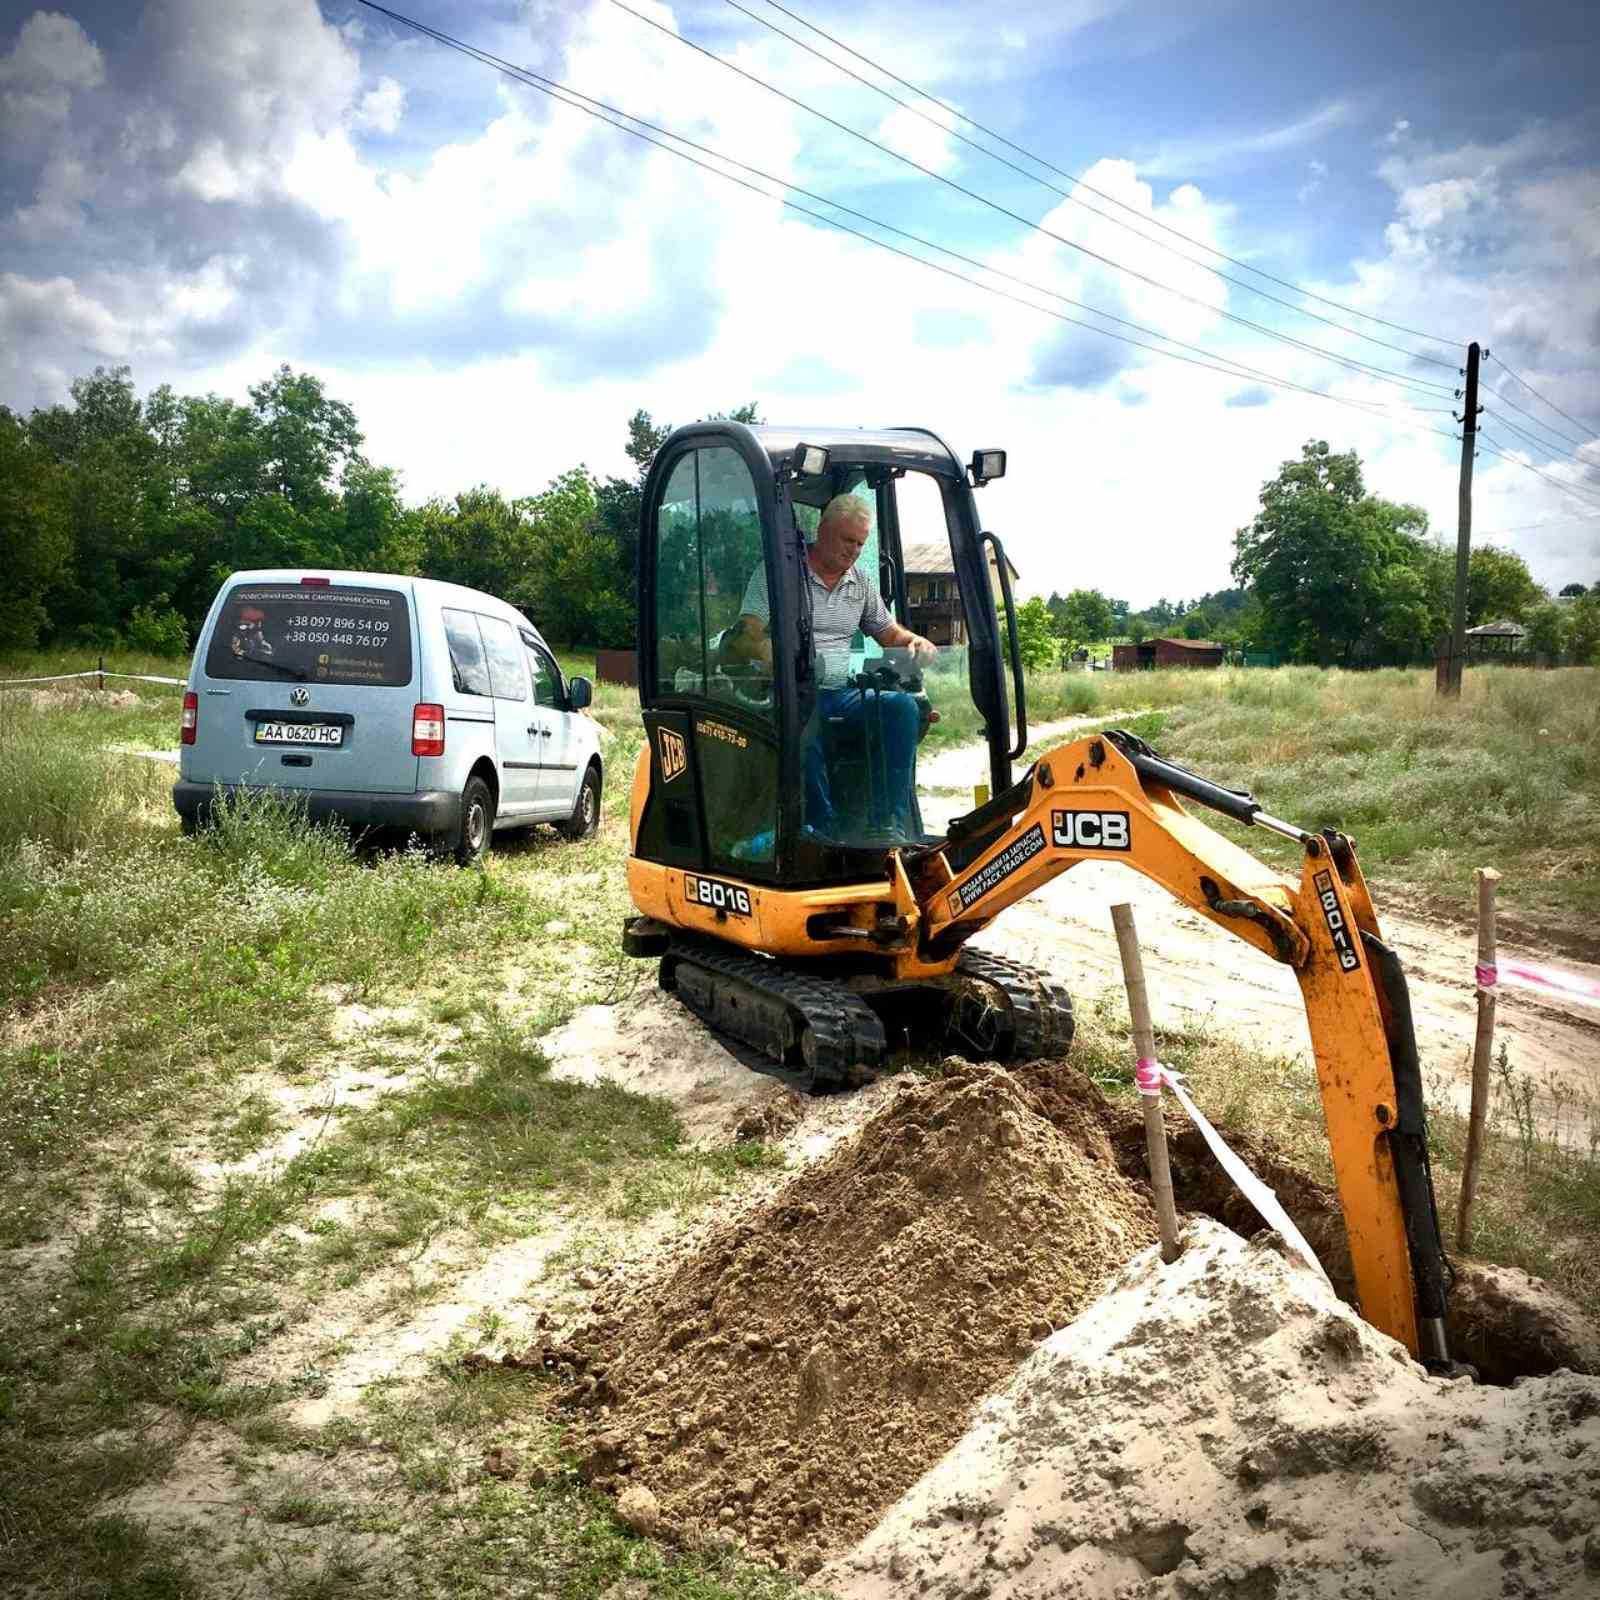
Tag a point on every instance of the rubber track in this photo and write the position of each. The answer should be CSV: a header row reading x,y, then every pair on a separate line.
x,y
1041,1009
843,1040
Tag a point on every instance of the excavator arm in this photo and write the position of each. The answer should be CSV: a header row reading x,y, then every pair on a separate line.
x,y
1112,798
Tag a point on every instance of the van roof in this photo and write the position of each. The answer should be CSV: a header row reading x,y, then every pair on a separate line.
x,y
435,588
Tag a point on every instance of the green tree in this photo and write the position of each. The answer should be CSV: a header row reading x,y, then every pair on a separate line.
x,y
1583,630
1083,617
1573,591
479,539
1546,637
1499,586
1317,555
1036,638
35,531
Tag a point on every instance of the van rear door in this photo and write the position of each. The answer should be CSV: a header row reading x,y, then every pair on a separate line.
x,y
309,686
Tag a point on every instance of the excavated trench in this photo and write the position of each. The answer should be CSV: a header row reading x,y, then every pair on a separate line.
x,y
789,1379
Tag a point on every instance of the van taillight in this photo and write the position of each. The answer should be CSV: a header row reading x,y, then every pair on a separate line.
x,y
191,717
427,730
316,583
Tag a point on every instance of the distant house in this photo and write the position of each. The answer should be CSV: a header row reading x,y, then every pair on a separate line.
x,y
1166,653
933,598
1495,639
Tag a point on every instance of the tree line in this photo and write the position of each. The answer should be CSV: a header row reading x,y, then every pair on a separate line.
x,y
121,517
1329,574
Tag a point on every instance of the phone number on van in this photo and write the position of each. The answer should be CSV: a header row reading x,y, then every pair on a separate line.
x,y
365,641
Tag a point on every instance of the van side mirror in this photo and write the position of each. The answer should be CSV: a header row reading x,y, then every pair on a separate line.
x,y
580,693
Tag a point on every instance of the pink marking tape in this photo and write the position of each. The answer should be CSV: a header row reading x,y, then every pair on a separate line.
x,y
1552,982
1148,1076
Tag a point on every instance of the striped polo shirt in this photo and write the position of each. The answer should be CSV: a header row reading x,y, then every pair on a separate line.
x,y
853,604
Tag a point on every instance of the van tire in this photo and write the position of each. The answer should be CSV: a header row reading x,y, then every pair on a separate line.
x,y
471,842
584,822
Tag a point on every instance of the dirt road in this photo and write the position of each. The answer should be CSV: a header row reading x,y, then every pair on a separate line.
x,y
1199,974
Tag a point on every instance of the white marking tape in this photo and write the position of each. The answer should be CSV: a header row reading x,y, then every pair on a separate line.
x,y
1248,1184
67,677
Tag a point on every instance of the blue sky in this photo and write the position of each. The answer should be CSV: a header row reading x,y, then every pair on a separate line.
x,y
203,191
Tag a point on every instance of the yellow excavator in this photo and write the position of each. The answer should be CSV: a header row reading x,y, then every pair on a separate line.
x,y
779,865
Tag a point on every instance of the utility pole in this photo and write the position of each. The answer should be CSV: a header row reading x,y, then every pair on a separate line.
x,y
1469,442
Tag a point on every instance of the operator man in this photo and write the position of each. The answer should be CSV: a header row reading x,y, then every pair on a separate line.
x,y
843,599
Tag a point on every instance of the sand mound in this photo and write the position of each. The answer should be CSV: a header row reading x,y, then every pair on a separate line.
x,y
795,1374
1226,1427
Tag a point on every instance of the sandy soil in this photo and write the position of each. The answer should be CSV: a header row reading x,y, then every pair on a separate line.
x,y
1200,975
1224,1429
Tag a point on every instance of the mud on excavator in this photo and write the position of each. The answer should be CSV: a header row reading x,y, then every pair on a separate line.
x,y
779,865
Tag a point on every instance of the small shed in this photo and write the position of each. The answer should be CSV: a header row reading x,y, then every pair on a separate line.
x,y
1153,653
1492,639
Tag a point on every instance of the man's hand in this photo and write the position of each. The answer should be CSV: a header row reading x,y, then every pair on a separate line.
x,y
921,649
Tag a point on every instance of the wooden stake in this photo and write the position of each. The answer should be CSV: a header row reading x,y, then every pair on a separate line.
x,y
1144,1044
1482,1054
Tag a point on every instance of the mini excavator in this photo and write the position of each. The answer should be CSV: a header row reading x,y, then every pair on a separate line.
x,y
826,935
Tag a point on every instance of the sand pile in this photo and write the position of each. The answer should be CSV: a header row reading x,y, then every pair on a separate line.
x,y
1226,1427
793,1376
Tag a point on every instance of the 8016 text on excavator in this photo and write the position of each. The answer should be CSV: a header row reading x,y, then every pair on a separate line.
x,y
780,868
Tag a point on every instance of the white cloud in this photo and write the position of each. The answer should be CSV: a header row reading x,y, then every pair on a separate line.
x,y
1316,171
925,141
381,108
1398,132
52,59
1205,156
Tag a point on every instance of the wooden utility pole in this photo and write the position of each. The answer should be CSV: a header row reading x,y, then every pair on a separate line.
x,y
1482,1053
1469,444
1144,1044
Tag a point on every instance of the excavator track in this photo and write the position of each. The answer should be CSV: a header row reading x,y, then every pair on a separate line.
x,y
807,1023
1042,1023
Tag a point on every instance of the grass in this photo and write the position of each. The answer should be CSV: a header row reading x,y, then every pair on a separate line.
x,y
260,1076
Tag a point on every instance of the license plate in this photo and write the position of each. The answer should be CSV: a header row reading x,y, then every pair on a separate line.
x,y
299,733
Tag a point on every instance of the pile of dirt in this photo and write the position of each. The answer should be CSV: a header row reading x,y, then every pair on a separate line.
x,y
790,1378
1226,1427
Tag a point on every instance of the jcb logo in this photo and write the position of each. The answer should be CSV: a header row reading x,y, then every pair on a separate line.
x,y
1090,830
1339,930
719,896
674,758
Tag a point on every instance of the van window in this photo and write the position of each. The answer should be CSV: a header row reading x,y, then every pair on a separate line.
x,y
281,632
468,668
507,676
547,689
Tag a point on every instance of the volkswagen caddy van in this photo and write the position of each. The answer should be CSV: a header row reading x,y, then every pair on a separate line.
x,y
386,701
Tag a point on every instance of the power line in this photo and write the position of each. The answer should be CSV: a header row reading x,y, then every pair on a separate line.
x,y
1494,449
565,95
1422,385
1538,444
1589,431
1549,522
1538,422
1071,177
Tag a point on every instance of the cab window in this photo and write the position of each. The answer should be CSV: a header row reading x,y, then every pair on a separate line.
x,y
547,689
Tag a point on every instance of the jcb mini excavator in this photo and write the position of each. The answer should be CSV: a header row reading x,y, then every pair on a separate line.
x,y
780,869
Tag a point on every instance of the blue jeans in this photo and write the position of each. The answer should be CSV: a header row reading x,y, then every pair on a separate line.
x,y
886,725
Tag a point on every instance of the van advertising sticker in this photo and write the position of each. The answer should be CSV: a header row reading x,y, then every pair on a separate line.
x,y
1016,854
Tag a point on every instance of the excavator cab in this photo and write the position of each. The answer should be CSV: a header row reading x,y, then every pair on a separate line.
x,y
796,768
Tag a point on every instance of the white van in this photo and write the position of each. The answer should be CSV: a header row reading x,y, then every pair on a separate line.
x,y
388,702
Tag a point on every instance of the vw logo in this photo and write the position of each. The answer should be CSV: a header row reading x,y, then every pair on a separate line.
x,y
300,695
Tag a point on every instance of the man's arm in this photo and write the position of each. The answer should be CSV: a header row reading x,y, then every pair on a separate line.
x,y
749,641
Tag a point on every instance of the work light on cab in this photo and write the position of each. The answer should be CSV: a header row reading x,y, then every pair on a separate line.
x,y
427,729
810,460
987,465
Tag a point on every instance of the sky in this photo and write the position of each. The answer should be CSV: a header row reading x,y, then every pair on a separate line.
x,y
496,281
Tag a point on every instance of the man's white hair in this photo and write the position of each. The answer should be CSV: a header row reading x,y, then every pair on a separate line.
x,y
850,506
